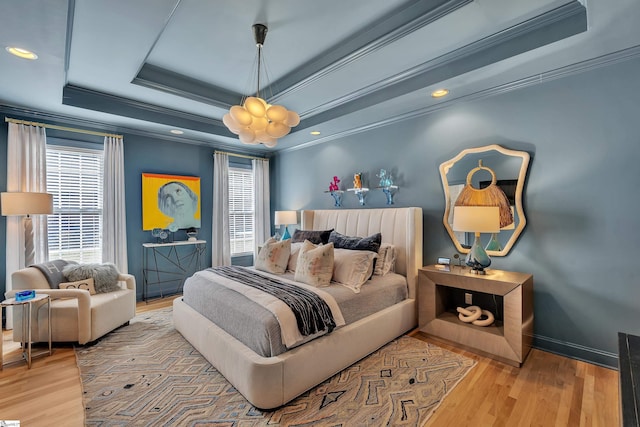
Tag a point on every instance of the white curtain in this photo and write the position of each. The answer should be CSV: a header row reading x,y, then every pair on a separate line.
x,y
114,228
262,202
221,241
26,171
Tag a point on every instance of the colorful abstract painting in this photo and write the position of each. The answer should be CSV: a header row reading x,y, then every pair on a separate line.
x,y
170,201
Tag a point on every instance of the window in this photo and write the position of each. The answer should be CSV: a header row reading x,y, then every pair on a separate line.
x,y
241,211
74,177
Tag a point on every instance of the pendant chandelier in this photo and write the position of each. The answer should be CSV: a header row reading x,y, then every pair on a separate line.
x,y
255,121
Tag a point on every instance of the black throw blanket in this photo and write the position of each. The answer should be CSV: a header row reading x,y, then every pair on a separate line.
x,y
312,312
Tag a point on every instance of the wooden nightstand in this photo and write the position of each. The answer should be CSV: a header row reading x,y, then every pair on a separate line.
x,y
511,296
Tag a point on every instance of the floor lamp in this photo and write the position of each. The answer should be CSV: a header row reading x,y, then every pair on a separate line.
x,y
25,205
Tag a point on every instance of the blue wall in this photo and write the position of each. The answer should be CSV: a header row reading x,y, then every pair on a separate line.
x,y
148,155
580,199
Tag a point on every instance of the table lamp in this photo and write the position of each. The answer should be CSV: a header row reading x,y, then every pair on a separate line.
x,y
286,218
494,244
26,204
477,219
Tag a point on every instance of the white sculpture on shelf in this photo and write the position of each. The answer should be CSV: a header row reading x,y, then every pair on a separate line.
x,y
472,315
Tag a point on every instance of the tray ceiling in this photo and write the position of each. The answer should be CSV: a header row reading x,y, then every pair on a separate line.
x,y
150,66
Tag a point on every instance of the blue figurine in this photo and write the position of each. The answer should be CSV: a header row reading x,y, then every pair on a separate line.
x,y
385,183
385,178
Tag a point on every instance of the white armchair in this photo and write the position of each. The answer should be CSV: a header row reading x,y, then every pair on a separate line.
x,y
76,316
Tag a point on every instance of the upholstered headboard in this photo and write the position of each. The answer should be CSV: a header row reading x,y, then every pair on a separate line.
x,y
401,227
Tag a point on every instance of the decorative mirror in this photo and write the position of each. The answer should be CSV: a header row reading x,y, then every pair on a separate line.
x,y
484,165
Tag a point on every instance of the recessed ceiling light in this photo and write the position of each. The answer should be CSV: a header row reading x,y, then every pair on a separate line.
x,y
22,53
439,93
176,131
315,132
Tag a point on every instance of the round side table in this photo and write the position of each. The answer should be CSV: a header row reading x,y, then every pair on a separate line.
x,y
27,308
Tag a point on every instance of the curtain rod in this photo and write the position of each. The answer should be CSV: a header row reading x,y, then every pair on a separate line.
x,y
48,126
244,156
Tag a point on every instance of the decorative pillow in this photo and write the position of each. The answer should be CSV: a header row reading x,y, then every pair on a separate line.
x,y
293,258
274,256
86,284
352,268
105,276
315,264
314,236
371,243
386,259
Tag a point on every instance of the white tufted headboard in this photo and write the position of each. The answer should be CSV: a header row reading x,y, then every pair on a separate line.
x,y
401,227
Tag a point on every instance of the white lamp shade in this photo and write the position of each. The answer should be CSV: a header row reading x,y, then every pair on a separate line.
x,y
476,219
286,218
26,203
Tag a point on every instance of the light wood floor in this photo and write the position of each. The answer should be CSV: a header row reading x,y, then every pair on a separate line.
x,y
549,390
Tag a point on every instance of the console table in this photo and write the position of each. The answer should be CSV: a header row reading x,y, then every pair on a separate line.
x,y
508,295
170,263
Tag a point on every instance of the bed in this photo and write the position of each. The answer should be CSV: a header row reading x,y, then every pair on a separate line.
x,y
269,382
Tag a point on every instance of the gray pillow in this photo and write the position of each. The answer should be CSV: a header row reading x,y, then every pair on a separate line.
x,y
371,243
105,276
316,237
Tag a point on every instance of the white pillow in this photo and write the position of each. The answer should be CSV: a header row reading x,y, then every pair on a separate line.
x,y
315,264
386,259
352,268
86,284
274,256
293,258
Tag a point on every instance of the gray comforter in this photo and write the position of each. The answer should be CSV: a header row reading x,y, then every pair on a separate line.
x,y
257,327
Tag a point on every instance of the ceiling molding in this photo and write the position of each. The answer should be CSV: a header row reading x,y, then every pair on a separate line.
x,y
569,70
113,104
580,67
158,78
71,121
565,21
71,8
375,36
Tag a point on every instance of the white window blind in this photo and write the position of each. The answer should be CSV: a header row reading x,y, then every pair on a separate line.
x,y
74,177
241,210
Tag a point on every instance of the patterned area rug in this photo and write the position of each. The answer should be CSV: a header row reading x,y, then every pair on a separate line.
x,y
147,374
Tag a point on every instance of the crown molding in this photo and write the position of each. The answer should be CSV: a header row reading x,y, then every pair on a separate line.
x,y
71,8
401,23
557,24
620,56
158,78
77,96
64,120
564,21
536,79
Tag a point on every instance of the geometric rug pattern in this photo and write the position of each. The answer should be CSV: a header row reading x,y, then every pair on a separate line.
x,y
147,374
